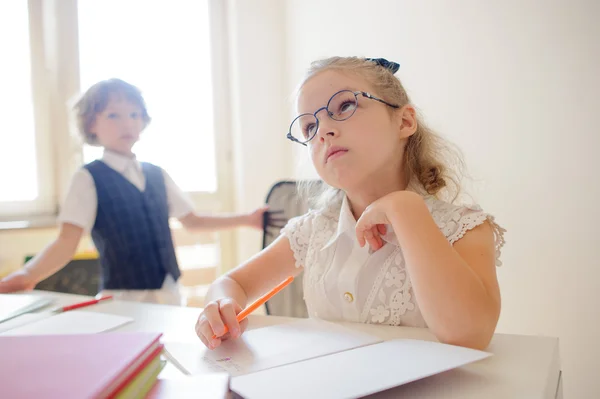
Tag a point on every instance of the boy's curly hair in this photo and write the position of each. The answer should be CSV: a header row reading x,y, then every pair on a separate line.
x,y
95,100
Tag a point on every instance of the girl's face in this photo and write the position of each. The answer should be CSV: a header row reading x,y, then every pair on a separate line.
x,y
362,151
118,127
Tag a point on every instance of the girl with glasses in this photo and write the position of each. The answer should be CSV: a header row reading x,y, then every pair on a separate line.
x,y
384,242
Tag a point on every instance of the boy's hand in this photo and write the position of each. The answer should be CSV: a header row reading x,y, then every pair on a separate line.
x,y
20,280
255,219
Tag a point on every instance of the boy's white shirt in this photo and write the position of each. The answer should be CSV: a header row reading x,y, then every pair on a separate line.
x,y
81,205
81,202
168,294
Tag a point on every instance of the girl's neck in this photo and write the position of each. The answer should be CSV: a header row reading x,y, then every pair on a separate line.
x,y
363,196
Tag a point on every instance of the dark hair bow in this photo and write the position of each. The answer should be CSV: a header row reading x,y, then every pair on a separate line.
x,y
392,66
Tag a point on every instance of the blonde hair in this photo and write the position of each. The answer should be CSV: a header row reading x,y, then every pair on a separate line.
x,y
433,165
95,100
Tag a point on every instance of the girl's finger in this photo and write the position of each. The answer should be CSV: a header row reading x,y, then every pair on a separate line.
x,y
372,238
377,239
229,310
367,236
205,332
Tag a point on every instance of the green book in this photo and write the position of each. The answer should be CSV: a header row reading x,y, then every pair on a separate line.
x,y
144,381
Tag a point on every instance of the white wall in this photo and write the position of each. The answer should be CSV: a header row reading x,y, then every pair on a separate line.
x,y
515,84
257,61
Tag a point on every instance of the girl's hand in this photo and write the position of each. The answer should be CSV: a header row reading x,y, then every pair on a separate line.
x,y
371,224
213,319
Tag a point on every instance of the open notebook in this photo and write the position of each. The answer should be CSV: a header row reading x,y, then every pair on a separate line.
x,y
267,347
334,361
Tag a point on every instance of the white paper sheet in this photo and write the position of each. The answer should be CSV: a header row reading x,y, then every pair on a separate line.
x,y
13,305
19,321
356,373
170,371
268,347
71,322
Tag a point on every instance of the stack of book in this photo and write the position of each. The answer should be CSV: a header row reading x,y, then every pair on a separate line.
x,y
105,365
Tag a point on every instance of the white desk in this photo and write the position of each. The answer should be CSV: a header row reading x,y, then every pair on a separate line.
x,y
522,366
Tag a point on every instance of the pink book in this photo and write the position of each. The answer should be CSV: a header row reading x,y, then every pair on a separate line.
x,y
73,366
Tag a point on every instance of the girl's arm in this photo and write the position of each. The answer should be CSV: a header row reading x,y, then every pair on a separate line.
x,y
233,291
456,286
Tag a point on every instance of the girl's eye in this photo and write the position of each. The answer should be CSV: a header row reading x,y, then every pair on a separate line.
x,y
347,106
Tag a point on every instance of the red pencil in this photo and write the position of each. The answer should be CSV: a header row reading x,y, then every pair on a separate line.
x,y
81,304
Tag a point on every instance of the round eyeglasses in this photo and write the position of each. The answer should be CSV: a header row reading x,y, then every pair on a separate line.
x,y
340,107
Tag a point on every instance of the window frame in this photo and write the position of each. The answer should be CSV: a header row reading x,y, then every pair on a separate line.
x,y
55,82
55,79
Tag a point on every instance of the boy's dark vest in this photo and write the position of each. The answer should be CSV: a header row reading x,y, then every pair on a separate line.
x,y
131,231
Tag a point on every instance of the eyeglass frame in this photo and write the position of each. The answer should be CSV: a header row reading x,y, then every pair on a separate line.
x,y
329,113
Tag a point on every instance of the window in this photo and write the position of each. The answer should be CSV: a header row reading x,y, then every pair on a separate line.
x,y
167,55
58,49
24,178
175,52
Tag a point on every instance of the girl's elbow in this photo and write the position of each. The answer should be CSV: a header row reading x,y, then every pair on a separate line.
x,y
475,337
472,341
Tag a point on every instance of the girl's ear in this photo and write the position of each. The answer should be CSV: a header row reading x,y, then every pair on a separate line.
x,y
407,121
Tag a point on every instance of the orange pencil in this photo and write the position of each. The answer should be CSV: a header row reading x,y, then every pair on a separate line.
x,y
253,306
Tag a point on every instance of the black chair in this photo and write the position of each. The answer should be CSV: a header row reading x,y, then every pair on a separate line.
x,y
81,276
284,204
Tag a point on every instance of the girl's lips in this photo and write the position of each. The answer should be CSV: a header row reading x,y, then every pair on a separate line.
x,y
336,155
334,152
